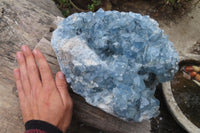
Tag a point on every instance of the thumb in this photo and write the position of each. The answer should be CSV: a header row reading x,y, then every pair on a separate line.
x,y
61,84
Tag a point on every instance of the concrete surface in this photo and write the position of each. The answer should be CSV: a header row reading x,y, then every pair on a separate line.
x,y
184,32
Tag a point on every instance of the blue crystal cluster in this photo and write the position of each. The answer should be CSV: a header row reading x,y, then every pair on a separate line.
x,y
115,60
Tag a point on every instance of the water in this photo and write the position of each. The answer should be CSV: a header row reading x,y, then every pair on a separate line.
x,y
187,95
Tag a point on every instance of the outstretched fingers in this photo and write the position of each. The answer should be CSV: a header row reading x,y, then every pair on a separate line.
x,y
52,102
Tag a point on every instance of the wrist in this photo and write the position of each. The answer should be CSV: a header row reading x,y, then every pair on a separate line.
x,y
42,125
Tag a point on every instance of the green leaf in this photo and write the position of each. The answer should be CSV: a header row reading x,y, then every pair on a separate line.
x,y
96,2
91,7
172,1
66,12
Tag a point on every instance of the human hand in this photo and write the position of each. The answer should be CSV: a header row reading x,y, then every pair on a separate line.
x,y
40,96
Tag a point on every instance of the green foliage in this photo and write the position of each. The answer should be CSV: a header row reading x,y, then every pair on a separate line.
x,y
173,2
63,2
94,4
66,5
66,12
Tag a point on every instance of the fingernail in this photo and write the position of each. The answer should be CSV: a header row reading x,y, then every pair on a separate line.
x,y
35,51
23,48
16,72
61,75
19,55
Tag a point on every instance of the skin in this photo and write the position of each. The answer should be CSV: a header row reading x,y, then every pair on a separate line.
x,y
41,96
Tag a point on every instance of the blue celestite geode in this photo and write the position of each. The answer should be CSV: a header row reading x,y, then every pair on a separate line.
x,y
115,60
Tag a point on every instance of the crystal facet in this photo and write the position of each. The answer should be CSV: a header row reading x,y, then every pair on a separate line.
x,y
115,60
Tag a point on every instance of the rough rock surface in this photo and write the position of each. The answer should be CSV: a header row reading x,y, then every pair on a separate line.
x,y
115,60
21,22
